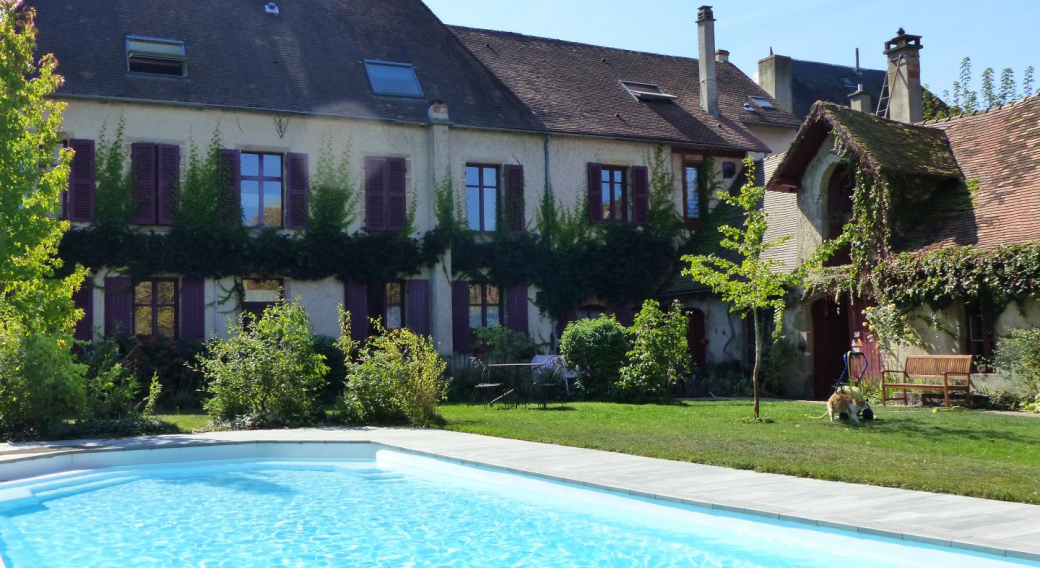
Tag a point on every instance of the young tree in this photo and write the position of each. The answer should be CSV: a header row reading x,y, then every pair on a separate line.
x,y
971,98
1027,82
755,283
989,96
1008,90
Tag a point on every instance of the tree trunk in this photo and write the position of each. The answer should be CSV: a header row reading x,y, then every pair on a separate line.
x,y
758,359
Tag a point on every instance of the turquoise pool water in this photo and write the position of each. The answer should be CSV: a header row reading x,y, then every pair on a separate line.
x,y
396,511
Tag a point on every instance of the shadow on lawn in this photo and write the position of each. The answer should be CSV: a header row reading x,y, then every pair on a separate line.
x,y
916,427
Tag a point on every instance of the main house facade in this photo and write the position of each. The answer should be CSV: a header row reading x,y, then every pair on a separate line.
x,y
504,120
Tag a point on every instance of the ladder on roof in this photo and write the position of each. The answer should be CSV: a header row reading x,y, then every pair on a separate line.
x,y
886,90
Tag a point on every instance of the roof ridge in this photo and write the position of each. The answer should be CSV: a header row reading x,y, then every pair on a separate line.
x,y
570,42
993,109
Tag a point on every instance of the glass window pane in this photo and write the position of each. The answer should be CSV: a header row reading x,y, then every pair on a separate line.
x,y
250,203
489,209
604,175
164,292
393,293
143,320
692,195
262,290
490,177
143,292
166,322
494,295
617,176
250,164
472,175
473,208
272,204
493,316
619,203
606,200
272,166
476,317
393,79
393,317
475,294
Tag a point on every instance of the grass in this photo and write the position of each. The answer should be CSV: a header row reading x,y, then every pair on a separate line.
x,y
187,421
967,453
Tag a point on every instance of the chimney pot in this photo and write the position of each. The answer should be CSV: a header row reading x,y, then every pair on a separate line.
x,y
438,112
706,64
722,56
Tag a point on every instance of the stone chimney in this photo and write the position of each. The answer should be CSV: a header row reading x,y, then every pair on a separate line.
x,y
775,76
861,101
709,82
904,77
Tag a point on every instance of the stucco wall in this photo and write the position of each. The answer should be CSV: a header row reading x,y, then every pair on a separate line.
x,y
727,340
777,138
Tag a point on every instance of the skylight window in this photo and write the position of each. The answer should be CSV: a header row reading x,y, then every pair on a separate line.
x,y
848,83
646,91
761,102
156,56
388,78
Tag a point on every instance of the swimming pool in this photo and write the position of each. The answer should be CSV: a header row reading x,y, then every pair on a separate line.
x,y
394,509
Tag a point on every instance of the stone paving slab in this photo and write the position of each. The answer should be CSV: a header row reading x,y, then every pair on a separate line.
x,y
995,527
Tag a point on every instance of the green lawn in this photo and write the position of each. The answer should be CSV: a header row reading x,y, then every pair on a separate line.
x,y
968,453
187,421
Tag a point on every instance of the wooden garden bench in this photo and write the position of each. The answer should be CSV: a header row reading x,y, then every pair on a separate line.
x,y
935,373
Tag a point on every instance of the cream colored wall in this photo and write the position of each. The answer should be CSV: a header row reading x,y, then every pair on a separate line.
x,y
724,330
777,138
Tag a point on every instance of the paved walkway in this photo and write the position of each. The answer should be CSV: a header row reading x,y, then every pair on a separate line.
x,y
996,527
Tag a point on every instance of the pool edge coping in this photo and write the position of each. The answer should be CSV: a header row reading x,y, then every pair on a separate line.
x,y
149,445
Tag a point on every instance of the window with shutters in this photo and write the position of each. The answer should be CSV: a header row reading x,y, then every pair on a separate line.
x,y
156,169
614,193
691,191
155,308
386,301
260,189
259,294
485,306
385,194
481,197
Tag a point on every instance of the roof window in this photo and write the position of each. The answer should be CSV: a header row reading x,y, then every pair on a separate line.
x,y
848,83
646,91
761,102
388,78
156,56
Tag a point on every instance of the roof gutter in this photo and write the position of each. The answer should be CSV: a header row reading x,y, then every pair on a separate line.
x,y
261,110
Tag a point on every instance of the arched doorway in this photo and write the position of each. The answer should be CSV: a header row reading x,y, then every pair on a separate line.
x,y
830,343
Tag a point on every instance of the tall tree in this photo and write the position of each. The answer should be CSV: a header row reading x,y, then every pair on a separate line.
x,y
33,175
989,94
754,284
1008,90
1027,82
970,97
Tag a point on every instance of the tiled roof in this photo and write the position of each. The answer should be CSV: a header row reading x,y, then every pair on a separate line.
x,y
1000,151
812,81
883,146
575,88
308,59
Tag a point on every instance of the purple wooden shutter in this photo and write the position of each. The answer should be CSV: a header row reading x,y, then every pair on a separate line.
x,y
640,195
595,193
296,189
84,300
516,308
81,181
119,306
460,316
232,160
417,306
375,194
193,309
514,198
623,313
142,158
396,194
168,180
355,301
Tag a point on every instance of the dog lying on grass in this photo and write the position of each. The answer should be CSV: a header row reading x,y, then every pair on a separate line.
x,y
840,403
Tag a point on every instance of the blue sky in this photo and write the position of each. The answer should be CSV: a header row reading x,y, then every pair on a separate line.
x,y
993,33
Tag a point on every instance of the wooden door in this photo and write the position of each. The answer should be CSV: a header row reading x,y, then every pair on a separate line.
x,y
696,338
830,343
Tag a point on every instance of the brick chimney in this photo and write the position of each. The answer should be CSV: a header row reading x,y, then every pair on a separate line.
x,y
775,76
861,101
706,63
904,77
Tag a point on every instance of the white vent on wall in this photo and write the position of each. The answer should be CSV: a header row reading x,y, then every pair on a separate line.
x,y
271,8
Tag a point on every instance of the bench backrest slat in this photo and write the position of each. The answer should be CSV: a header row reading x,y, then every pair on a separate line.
x,y
936,365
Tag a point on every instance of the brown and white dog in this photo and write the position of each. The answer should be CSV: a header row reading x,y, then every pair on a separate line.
x,y
839,403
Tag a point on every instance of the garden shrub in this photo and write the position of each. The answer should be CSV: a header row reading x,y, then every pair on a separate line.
x,y
1018,359
1005,399
41,382
172,361
505,345
397,378
110,387
595,349
267,370
659,356
336,376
